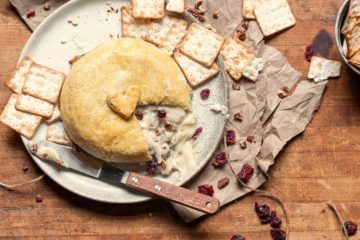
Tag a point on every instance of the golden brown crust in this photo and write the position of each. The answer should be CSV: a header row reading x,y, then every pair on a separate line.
x,y
116,64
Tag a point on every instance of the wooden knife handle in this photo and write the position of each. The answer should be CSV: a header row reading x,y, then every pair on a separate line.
x,y
173,193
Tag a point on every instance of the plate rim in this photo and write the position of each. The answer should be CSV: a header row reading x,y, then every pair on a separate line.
x,y
200,167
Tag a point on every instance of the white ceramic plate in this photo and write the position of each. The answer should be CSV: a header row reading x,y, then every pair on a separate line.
x,y
46,46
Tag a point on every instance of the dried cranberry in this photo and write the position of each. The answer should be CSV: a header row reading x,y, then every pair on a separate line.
x,y
230,137
220,160
223,182
278,234
152,167
205,93
267,219
38,198
275,222
139,115
30,14
246,173
351,228
161,114
206,189
196,133
237,237
250,139
262,210
309,53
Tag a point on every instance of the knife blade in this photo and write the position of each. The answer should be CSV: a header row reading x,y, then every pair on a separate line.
x,y
69,158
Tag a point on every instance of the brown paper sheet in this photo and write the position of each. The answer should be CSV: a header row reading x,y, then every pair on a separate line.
x,y
24,6
256,101
290,119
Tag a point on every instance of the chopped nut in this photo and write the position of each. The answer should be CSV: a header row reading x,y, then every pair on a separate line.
x,y
236,86
168,125
157,132
245,25
75,59
198,7
238,117
223,182
241,33
198,4
163,164
201,18
283,93
216,15
243,144
47,6
209,27
24,168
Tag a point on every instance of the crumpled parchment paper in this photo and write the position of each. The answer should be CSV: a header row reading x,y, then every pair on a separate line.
x,y
272,120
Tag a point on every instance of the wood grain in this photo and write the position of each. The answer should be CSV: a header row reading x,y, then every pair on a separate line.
x,y
319,165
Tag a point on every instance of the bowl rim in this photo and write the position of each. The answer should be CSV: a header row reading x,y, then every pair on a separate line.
x,y
338,35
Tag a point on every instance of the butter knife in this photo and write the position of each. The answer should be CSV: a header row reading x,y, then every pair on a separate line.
x,y
67,158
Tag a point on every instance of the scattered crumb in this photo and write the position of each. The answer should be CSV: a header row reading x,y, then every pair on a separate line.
x,y
24,168
63,41
216,15
47,6
73,21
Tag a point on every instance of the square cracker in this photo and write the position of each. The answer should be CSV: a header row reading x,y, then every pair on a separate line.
x,y
132,27
194,72
154,9
33,105
236,56
174,36
56,133
159,29
16,81
254,68
351,18
248,9
322,69
201,44
23,123
55,115
177,6
353,40
354,9
44,83
273,16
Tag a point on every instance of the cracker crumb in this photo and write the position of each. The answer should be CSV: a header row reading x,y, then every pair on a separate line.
x,y
63,41
73,21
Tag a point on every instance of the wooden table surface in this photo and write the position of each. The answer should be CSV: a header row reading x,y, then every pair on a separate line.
x,y
319,165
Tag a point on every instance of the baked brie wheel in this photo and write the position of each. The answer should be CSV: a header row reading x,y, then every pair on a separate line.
x,y
103,76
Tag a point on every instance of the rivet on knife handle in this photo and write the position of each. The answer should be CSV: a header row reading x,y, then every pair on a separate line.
x,y
173,193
